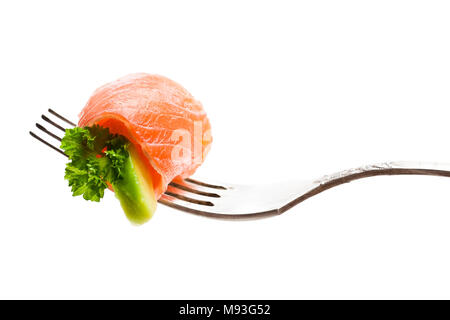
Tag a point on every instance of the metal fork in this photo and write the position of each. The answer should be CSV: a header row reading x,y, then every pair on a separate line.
x,y
232,201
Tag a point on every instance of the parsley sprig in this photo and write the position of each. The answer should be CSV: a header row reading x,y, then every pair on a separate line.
x,y
96,157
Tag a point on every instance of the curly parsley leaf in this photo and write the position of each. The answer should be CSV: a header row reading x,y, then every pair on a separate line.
x,y
96,157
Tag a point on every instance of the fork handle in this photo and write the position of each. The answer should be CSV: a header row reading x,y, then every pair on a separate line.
x,y
388,168
382,169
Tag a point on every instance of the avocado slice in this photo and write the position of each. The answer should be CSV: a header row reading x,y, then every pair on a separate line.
x,y
135,191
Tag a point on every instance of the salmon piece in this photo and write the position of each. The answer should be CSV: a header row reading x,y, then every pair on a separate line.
x,y
163,121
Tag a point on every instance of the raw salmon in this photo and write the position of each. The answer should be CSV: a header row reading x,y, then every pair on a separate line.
x,y
168,127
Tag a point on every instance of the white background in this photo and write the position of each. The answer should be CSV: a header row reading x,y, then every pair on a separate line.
x,y
293,90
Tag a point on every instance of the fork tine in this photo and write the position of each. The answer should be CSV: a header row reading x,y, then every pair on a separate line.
x,y
47,143
51,134
184,187
61,117
204,184
53,123
189,199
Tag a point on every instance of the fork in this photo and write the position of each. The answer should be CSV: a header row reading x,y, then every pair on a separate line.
x,y
234,201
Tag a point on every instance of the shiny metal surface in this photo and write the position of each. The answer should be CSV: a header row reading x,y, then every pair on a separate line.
x,y
259,201
232,201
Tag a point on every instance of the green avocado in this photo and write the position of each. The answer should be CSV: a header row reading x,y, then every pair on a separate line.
x,y
135,190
